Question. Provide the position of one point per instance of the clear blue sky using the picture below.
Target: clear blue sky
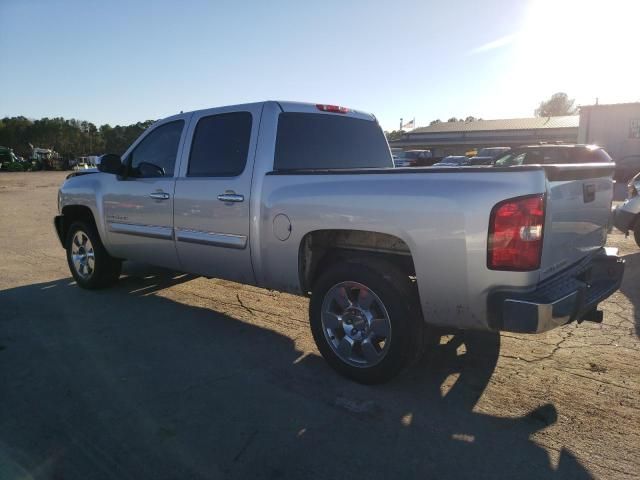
(119, 62)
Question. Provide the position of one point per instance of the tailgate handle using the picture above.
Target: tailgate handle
(588, 192)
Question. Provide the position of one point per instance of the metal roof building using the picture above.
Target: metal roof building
(614, 126)
(454, 138)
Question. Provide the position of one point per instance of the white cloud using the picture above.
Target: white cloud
(498, 43)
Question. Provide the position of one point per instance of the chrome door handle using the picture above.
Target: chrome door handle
(230, 197)
(159, 195)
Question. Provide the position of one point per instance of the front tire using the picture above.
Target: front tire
(90, 264)
(365, 320)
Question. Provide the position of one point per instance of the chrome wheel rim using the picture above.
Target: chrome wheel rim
(356, 324)
(82, 255)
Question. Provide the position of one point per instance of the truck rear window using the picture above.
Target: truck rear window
(320, 141)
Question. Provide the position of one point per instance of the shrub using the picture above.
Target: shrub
(14, 167)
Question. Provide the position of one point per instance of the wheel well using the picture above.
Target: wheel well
(321, 248)
(74, 213)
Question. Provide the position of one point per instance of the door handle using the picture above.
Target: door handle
(230, 197)
(159, 195)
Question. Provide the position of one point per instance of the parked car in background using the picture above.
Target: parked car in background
(453, 161)
(553, 154)
(627, 167)
(304, 198)
(626, 217)
(488, 155)
(493, 152)
(481, 161)
(413, 158)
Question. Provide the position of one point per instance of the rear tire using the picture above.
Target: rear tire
(377, 331)
(90, 264)
(636, 232)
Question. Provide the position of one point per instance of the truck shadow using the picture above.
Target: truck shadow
(124, 383)
(631, 285)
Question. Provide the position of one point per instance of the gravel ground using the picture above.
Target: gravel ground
(171, 376)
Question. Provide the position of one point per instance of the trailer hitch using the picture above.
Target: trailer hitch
(593, 315)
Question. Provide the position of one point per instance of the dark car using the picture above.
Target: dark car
(413, 158)
(550, 154)
(627, 167)
(478, 160)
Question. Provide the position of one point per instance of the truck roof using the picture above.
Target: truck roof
(289, 106)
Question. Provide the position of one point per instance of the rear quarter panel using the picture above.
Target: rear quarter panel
(442, 216)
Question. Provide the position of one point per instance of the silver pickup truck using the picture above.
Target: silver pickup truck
(304, 198)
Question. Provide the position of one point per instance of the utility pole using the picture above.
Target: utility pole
(400, 123)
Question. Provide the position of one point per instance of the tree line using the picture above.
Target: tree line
(71, 138)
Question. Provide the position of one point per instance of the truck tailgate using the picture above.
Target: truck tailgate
(578, 209)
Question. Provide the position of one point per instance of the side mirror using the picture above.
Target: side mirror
(110, 163)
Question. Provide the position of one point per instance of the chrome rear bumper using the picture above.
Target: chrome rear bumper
(571, 295)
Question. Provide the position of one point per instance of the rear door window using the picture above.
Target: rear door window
(321, 141)
(588, 155)
(555, 155)
(542, 156)
(220, 145)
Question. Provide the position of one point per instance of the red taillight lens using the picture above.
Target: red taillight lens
(515, 234)
(332, 108)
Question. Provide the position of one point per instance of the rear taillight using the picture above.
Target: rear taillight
(332, 108)
(515, 234)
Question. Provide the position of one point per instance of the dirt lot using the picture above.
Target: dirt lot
(170, 376)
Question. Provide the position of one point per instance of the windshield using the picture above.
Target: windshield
(510, 159)
(492, 152)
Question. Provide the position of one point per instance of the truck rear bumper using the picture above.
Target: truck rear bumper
(571, 295)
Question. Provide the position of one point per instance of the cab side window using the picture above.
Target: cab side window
(220, 145)
(155, 155)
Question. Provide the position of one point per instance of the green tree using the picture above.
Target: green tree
(435, 122)
(394, 135)
(452, 119)
(559, 104)
(71, 138)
